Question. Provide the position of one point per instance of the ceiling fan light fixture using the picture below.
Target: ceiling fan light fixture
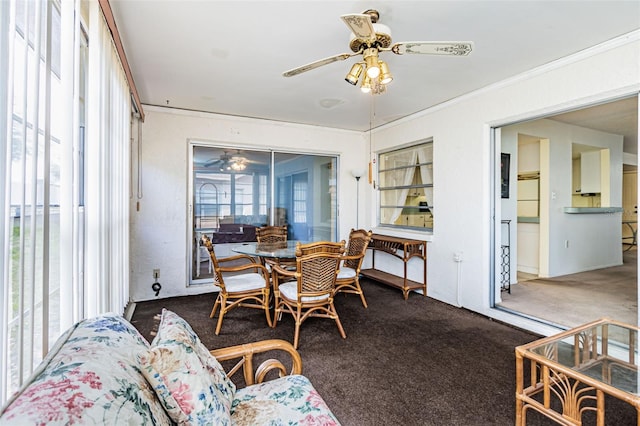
(366, 84)
(354, 74)
(385, 74)
(238, 165)
(371, 60)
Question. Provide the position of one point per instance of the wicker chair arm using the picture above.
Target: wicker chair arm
(352, 257)
(280, 270)
(237, 257)
(244, 267)
(246, 351)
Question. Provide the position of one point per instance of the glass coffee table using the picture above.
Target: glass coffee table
(571, 372)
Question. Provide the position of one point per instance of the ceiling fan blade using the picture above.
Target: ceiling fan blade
(210, 163)
(453, 48)
(317, 64)
(360, 25)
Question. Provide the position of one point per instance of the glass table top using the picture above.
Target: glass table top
(603, 350)
(280, 250)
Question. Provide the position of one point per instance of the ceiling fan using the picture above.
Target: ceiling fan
(228, 162)
(369, 39)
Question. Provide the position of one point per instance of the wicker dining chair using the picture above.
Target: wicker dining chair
(249, 290)
(271, 234)
(348, 280)
(310, 294)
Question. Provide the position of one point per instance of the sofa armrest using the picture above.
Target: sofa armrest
(246, 351)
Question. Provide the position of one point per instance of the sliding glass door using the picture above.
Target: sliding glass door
(234, 191)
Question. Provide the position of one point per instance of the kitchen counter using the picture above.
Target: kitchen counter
(592, 210)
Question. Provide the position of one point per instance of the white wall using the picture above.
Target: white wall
(463, 179)
(461, 131)
(159, 229)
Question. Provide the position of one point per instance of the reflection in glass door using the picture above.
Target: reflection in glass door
(235, 191)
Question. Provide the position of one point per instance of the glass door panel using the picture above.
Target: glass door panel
(305, 197)
(229, 201)
(232, 191)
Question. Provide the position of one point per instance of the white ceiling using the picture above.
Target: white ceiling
(228, 56)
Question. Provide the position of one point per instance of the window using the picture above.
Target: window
(300, 198)
(65, 109)
(34, 196)
(405, 179)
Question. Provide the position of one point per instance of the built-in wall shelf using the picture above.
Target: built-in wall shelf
(592, 210)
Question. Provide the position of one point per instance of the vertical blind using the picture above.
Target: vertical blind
(64, 177)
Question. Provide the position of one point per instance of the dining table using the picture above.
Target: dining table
(279, 250)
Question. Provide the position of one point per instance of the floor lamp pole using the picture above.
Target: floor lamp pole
(357, 174)
(357, 202)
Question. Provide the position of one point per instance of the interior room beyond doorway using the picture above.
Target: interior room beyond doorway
(572, 213)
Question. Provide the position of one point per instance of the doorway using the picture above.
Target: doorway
(586, 265)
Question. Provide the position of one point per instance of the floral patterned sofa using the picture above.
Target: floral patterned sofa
(102, 371)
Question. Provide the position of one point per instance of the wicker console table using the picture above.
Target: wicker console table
(403, 249)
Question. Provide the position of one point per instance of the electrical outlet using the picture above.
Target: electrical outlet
(156, 274)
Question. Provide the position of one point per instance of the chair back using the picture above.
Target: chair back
(320, 247)
(317, 273)
(317, 266)
(217, 275)
(271, 234)
(358, 243)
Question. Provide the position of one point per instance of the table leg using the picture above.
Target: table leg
(600, 408)
(519, 390)
(634, 236)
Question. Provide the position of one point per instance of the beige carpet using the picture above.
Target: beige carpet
(574, 299)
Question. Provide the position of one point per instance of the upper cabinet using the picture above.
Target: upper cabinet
(594, 166)
(591, 176)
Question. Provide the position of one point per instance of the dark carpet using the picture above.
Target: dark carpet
(404, 362)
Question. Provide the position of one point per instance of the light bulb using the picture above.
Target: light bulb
(371, 59)
(366, 84)
(373, 72)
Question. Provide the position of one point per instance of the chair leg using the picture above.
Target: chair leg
(265, 304)
(275, 313)
(215, 307)
(222, 300)
(296, 334)
(219, 325)
(337, 318)
(361, 293)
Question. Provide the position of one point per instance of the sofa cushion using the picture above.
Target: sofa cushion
(189, 381)
(91, 376)
(174, 328)
(183, 385)
(287, 400)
